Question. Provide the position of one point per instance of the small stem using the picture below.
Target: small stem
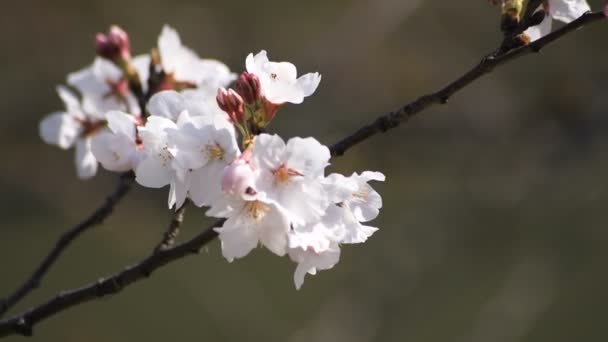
(173, 230)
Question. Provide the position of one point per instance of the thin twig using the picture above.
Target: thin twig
(97, 217)
(173, 230)
(487, 64)
(23, 324)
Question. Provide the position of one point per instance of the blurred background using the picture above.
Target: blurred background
(494, 223)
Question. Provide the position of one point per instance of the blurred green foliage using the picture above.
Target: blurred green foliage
(494, 225)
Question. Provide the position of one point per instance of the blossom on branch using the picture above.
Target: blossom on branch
(279, 80)
(562, 10)
(207, 144)
(183, 68)
(73, 127)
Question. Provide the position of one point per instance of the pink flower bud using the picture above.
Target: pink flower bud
(231, 103)
(238, 178)
(606, 10)
(249, 87)
(114, 45)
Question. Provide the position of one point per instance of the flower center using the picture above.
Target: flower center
(283, 174)
(361, 195)
(120, 89)
(256, 209)
(214, 152)
(90, 127)
(165, 156)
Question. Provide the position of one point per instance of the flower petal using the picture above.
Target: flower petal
(86, 164)
(59, 129)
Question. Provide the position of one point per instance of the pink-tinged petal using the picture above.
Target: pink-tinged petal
(151, 173)
(59, 129)
(178, 193)
(121, 123)
(141, 64)
(309, 83)
(72, 104)
(540, 30)
(355, 231)
(86, 164)
(273, 231)
(267, 151)
(237, 240)
(311, 262)
(567, 10)
(169, 46)
(168, 104)
(308, 156)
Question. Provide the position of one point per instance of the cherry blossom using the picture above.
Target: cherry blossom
(290, 174)
(317, 246)
(250, 220)
(105, 88)
(279, 80)
(118, 149)
(203, 146)
(183, 65)
(73, 127)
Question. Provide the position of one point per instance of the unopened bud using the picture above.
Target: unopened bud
(606, 10)
(231, 103)
(237, 178)
(114, 45)
(249, 87)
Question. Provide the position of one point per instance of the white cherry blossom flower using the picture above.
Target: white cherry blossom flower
(183, 65)
(249, 222)
(563, 10)
(73, 127)
(358, 202)
(279, 80)
(203, 147)
(156, 169)
(117, 149)
(170, 104)
(310, 261)
(290, 174)
(104, 87)
(316, 246)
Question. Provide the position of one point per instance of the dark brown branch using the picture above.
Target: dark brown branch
(487, 64)
(24, 323)
(173, 230)
(97, 217)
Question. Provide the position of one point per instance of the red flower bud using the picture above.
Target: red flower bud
(114, 45)
(249, 87)
(231, 103)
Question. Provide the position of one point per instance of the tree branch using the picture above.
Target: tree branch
(487, 64)
(23, 324)
(97, 217)
(173, 230)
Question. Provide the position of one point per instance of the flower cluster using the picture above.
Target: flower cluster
(208, 144)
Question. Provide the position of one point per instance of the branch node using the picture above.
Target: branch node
(146, 272)
(99, 292)
(23, 327)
